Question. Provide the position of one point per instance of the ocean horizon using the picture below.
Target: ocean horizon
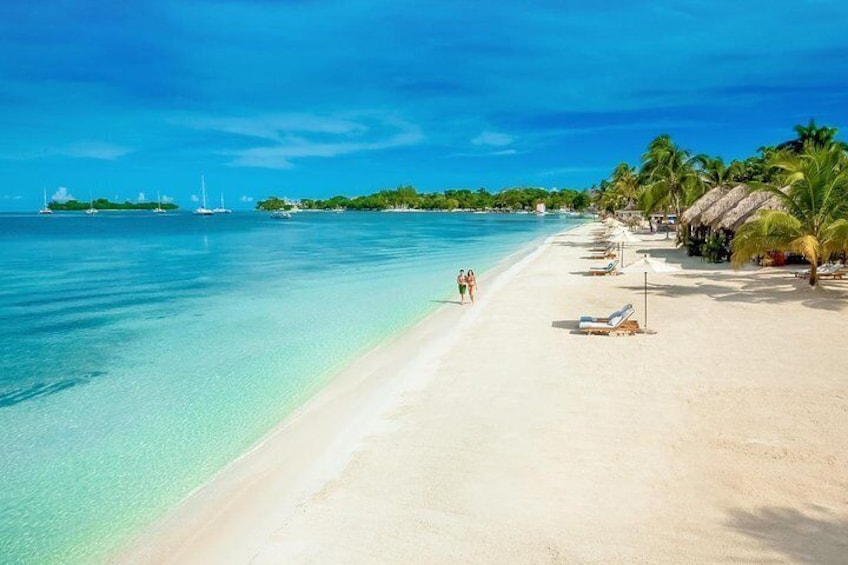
(142, 353)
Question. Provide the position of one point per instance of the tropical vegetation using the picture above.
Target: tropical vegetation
(104, 204)
(808, 175)
(812, 186)
(407, 197)
(669, 179)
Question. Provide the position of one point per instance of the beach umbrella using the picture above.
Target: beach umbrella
(645, 265)
(612, 225)
(623, 236)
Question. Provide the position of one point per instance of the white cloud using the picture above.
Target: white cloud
(166, 198)
(498, 153)
(195, 198)
(141, 197)
(62, 195)
(492, 138)
(81, 149)
(280, 156)
(246, 198)
(276, 126)
(94, 150)
(573, 170)
(296, 136)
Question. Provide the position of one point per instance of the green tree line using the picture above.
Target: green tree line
(510, 199)
(104, 204)
(808, 174)
(670, 178)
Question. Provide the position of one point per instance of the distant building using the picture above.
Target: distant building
(657, 218)
(630, 212)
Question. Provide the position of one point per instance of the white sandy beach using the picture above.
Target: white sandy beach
(493, 434)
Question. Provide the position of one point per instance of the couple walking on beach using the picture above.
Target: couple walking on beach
(466, 282)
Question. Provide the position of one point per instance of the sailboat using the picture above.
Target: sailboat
(222, 210)
(46, 209)
(91, 210)
(158, 209)
(203, 210)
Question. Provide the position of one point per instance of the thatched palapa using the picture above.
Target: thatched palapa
(692, 215)
(723, 204)
(746, 207)
(773, 203)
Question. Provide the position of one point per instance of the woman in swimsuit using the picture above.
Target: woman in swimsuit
(471, 282)
(461, 282)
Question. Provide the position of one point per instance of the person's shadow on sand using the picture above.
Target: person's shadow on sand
(447, 301)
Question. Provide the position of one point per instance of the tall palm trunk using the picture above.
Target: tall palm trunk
(814, 273)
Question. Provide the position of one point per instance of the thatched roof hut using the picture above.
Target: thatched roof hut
(774, 202)
(746, 207)
(692, 215)
(723, 205)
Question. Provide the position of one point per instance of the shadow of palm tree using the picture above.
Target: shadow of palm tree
(816, 536)
(751, 288)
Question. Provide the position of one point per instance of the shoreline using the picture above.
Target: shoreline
(379, 375)
(508, 438)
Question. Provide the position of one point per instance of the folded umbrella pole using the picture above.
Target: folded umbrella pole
(644, 265)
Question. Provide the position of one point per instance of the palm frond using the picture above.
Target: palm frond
(771, 230)
(808, 246)
(835, 237)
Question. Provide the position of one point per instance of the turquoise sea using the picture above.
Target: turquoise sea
(139, 354)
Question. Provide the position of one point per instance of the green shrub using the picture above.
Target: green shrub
(713, 248)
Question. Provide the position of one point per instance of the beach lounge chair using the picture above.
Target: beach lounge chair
(828, 270)
(618, 312)
(602, 253)
(610, 269)
(620, 324)
(837, 271)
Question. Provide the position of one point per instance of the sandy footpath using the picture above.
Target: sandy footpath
(494, 434)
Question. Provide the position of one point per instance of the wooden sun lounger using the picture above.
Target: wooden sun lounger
(619, 312)
(837, 273)
(617, 325)
(608, 270)
(600, 255)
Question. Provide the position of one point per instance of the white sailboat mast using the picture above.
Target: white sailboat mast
(203, 190)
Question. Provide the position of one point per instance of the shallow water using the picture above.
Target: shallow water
(141, 353)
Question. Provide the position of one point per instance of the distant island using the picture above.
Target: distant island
(407, 197)
(104, 204)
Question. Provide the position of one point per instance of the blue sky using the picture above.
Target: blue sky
(314, 98)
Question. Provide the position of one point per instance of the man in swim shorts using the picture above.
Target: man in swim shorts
(462, 284)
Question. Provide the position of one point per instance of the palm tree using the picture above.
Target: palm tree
(671, 181)
(811, 134)
(625, 182)
(713, 170)
(814, 221)
(606, 197)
